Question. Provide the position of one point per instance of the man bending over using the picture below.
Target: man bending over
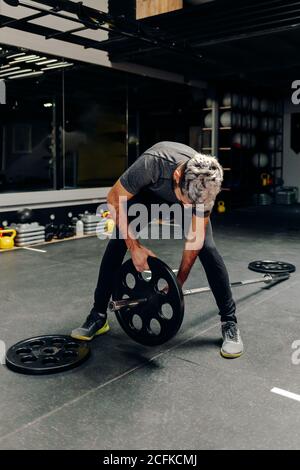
(171, 173)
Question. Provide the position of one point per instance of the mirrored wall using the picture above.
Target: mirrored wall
(68, 125)
(63, 125)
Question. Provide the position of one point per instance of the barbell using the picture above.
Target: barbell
(150, 309)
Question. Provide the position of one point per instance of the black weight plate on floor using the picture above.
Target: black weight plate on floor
(271, 267)
(49, 354)
(149, 324)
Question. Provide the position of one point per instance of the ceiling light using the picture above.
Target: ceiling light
(10, 69)
(26, 75)
(8, 72)
(61, 62)
(23, 59)
(35, 60)
(26, 57)
(4, 67)
(57, 66)
(48, 61)
(48, 105)
(15, 55)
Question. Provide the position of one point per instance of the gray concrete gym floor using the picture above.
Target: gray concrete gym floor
(182, 395)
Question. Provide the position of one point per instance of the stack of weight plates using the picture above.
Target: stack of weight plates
(262, 199)
(29, 234)
(287, 195)
(93, 224)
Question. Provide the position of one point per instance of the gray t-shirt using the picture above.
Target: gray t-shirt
(154, 170)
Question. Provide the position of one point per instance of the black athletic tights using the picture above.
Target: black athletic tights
(209, 256)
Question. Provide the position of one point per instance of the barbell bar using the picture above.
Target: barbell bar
(115, 305)
(151, 311)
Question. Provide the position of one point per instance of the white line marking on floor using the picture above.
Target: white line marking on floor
(285, 393)
(134, 369)
(34, 249)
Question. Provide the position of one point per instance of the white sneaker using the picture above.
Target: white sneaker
(232, 345)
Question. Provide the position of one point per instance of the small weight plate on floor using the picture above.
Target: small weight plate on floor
(271, 267)
(49, 354)
(159, 319)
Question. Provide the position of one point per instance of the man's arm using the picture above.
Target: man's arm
(117, 199)
(192, 247)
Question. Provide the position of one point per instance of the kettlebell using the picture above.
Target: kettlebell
(109, 226)
(7, 242)
(221, 207)
(265, 179)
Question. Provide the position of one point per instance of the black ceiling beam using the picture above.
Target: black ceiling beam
(119, 25)
(11, 22)
(47, 32)
(216, 34)
(228, 18)
(248, 34)
(67, 6)
(233, 49)
(56, 12)
(230, 15)
(60, 34)
(278, 16)
(262, 20)
(154, 41)
(95, 19)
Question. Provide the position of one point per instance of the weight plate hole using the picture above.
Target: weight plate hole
(50, 360)
(72, 346)
(155, 327)
(48, 351)
(23, 351)
(37, 344)
(146, 276)
(28, 359)
(70, 353)
(58, 342)
(130, 281)
(167, 311)
(137, 322)
(162, 286)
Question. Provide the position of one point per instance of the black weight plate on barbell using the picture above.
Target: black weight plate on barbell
(49, 354)
(157, 321)
(271, 267)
